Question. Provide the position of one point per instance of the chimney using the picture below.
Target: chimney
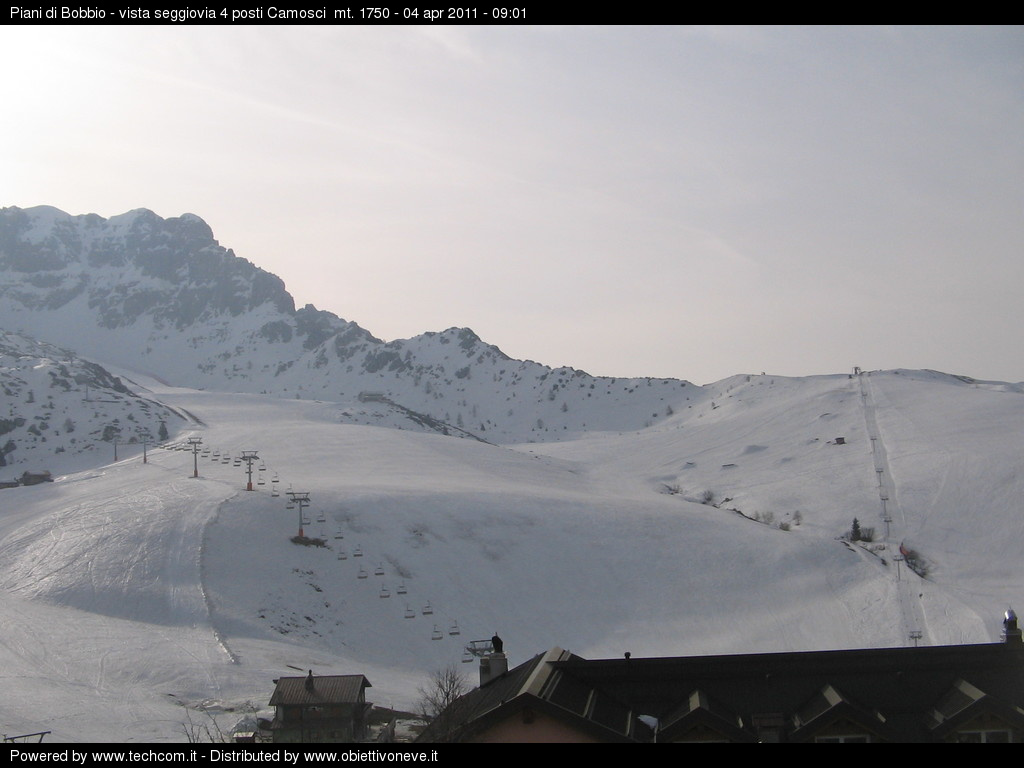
(492, 666)
(1011, 632)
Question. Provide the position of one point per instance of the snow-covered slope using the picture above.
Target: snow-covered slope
(602, 515)
(158, 590)
(59, 409)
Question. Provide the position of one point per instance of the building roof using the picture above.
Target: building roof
(539, 686)
(313, 690)
(892, 694)
(887, 691)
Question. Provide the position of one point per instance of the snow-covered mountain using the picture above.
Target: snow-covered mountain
(162, 296)
(603, 516)
(59, 408)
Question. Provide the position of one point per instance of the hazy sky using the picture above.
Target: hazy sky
(633, 201)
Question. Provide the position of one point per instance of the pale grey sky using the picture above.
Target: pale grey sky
(633, 201)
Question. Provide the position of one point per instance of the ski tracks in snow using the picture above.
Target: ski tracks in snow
(96, 570)
(893, 522)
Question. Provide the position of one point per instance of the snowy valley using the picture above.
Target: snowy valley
(455, 493)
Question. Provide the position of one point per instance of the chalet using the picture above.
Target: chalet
(323, 708)
(960, 693)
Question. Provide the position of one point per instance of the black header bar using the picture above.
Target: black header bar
(313, 12)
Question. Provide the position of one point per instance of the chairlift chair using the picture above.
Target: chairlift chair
(454, 629)
(401, 589)
(362, 574)
(357, 552)
(385, 592)
(437, 634)
(409, 612)
(427, 610)
(379, 570)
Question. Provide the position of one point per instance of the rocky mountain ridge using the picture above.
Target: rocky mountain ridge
(162, 296)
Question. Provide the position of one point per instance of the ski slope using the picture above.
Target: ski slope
(134, 594)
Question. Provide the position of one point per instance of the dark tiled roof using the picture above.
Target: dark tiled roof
(894, 694)
(474, 705)
(537, 685)
(897, 686)
(322, 689)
